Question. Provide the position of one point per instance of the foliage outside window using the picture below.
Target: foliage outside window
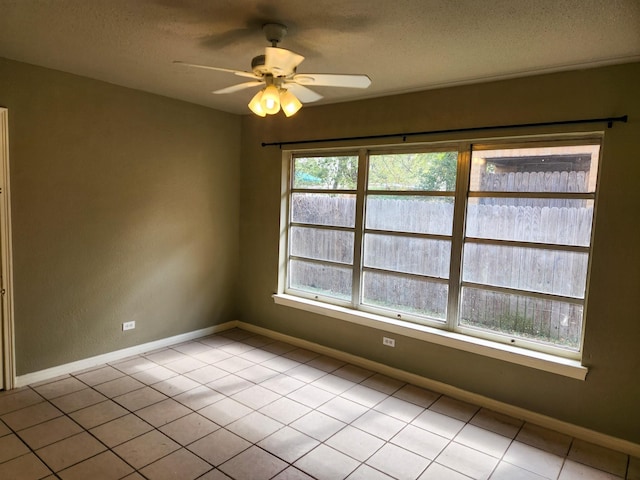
(491, 241)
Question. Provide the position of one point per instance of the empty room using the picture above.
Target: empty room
(319, 240)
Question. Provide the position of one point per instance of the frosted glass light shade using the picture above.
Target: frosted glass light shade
(270, 100)
(255, 106)
(289, 103)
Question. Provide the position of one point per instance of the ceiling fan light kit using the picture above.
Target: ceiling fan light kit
(283, 89)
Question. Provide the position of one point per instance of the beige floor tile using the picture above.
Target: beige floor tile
(206, 374)
(140, 398)
(285, 410)
(544, 439)
(419, 396)
(198, 397)
(105, 466)
(363, 395)
(577, 471)
(134, 365)
(256, 373)
(454, 408)
(398, 462)
(311, 396)
(230, 384)
(467, 461)
(353, 373)
(400, 409)
(4, 430)
(29, 416)
(379, 424)
(279, 348)
(383, 384)
(343, 409)
(436, 471)
(253, 463)
(334, 384)
(365, 472)
(438, 423)
(306, 374)
(134, 476)
(506, 471)
(146, 449)
(163, 412)
(154, 375)
(254, 427)
(121, 430)
(483, 440)
(189, 428)
(60, 387)
(318, 425)
(497, 423)
(99, 375)
(282, 384)
(299, 354)
(219, 446)
(288, 444)
(11, 401)
(184, 365)
(598, 457)
(214, 474)
(355, 443)
(175, 385)
(420, 441)
(98, 414)
(326, 364)
(70, 451)
(257, 355)
(11, 447)
(78, 400)
(534, 460)
(256, 397)
(280, 364)
(225, 411)
(325, 463)
(50, 432)
(233, 364)
(26, 467)
(181, 464)
(164, 356)
(119, 386)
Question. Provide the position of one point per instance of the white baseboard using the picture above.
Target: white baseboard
(570, 429)
(53, 372)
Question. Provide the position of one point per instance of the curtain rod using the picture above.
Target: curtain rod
(609, 120)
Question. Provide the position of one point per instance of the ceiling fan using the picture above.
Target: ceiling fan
(276, 72)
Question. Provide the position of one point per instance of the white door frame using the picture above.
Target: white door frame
(6, 260)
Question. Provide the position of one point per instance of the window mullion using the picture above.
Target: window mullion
(457, 235)
(359, 228)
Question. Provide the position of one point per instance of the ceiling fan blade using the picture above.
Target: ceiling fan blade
(240, 73)
(280, 61)
(332, 80)
(238, 87)
(304, 94)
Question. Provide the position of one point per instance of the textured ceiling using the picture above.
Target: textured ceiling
(403, 45)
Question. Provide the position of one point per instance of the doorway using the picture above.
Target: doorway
(7, 368)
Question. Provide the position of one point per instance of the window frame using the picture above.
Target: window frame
(451, 332)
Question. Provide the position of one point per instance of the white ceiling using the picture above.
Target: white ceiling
(403, 45)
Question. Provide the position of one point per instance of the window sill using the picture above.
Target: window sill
(541, 361)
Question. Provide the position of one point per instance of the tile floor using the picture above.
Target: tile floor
(241, 406)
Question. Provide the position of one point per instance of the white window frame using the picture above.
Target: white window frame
(519, 351)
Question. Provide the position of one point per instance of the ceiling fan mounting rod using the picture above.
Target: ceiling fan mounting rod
(274, 32)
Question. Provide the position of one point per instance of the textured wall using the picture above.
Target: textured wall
(607, 401)
(124, 206)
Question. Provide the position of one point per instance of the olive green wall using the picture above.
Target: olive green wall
(608, 400)
(124, 207)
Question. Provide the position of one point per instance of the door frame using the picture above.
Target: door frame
(6, 260)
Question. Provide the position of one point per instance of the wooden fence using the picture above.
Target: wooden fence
(555, 222)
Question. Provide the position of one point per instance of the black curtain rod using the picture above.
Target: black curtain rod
(609, 120)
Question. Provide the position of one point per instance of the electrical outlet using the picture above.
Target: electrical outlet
(128, 326)
(389, 342)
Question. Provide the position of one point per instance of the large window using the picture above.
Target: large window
(491, 241)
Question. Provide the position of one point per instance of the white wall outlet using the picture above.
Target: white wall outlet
(128, 326)
(389, 342)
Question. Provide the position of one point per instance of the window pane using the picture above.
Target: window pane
(541, 169)
(431, 215)
(535, 319)
(323, 209)
(405, 294)
(433, 171)
(321, 279)
(556, 221)
(407, 254)
(335, 173)
(322, 244)
(536, 270)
